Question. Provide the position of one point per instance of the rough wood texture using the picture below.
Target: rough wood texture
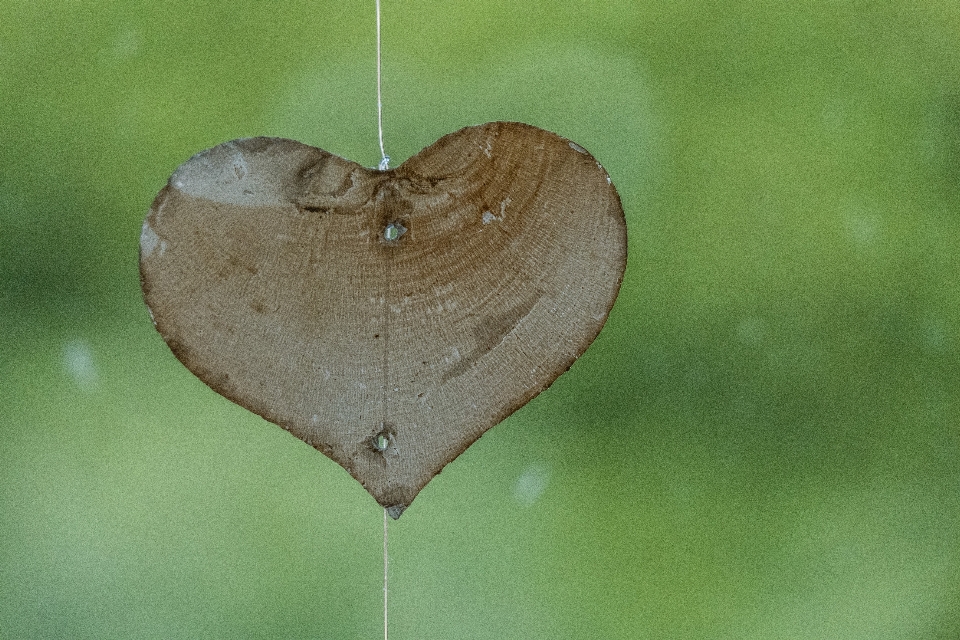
(387, 318)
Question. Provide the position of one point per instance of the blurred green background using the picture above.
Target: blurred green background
(763, 442)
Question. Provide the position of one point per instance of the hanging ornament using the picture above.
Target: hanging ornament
(388, 318)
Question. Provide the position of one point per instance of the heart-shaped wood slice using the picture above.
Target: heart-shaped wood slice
(387, 318)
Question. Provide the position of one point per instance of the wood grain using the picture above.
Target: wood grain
(270, 273)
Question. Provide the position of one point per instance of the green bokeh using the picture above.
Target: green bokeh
(763, 443)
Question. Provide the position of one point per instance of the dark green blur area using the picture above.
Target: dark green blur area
(764, 442)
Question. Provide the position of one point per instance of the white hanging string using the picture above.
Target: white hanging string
(384, 165)
(385, 564)
(384, 158)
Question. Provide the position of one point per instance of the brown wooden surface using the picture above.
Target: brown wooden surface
(267, 270)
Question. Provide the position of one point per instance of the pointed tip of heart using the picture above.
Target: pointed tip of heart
(395, 511)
